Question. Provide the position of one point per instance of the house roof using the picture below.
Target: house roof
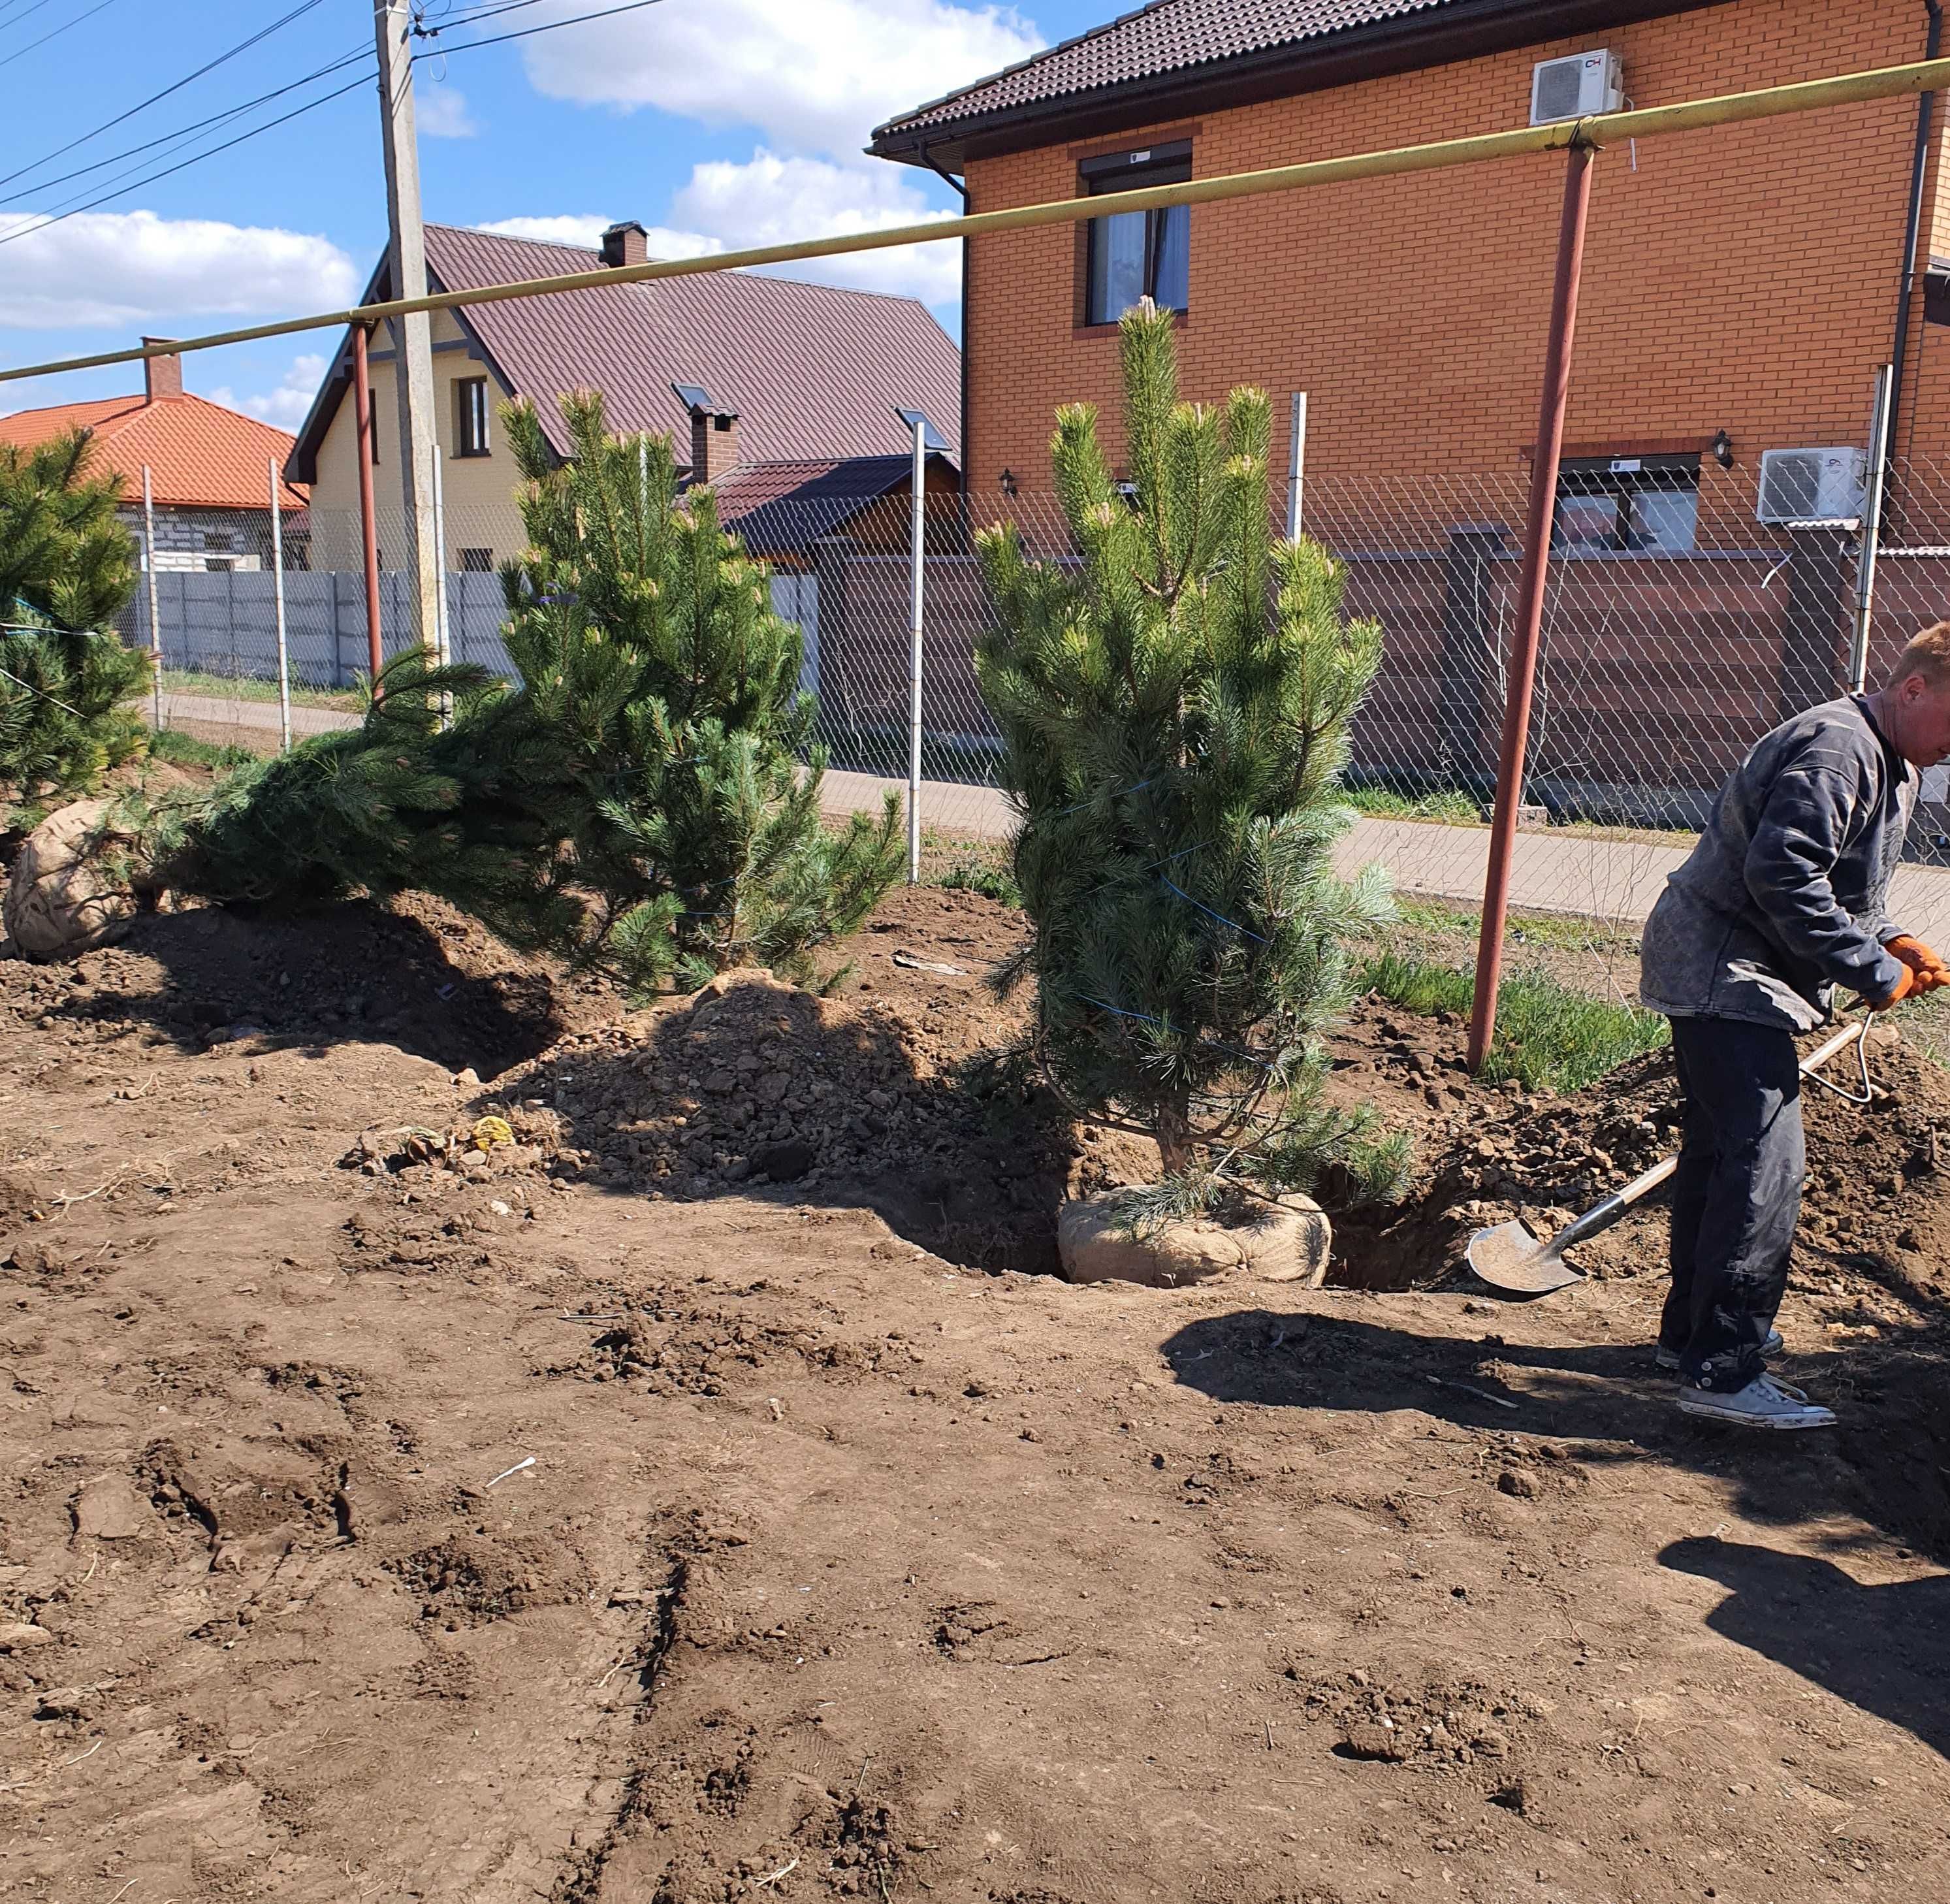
(199, 455)
(777, 508)
(812, 370)
(1167, 50)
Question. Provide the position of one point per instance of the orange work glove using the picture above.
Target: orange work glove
(1925, 963)
(1906, 986)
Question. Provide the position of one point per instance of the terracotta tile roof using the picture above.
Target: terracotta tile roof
(777, 508)
(1168, 37)
(200, 454)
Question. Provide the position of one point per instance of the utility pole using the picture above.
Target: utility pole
(392, 21)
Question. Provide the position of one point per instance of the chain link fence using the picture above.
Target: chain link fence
(1678, 628)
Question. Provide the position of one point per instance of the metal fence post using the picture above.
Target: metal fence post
(1530, 611)
(917, 559)
(1872, 530)
(278, 605)
(1296, 468)
(155, 620)
(443, 640)
(368, 531)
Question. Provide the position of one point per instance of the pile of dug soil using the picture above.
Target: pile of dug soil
(1876, 1204)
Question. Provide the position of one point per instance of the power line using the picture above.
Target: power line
(58, 31)
(38, 5)
(548, 26)
(196, 158)
(242, 46)
(182, 133)
(469, 18)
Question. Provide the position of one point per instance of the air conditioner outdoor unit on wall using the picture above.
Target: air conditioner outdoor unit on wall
(1574, 86)
(1812, 485)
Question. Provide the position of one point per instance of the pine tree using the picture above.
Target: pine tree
(1175, 708)
(66, 569)
(646, 637)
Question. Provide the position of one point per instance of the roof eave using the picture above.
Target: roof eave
(1404, 43)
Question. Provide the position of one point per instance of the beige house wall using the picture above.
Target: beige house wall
(478, 492)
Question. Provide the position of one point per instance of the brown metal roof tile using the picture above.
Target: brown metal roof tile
(1167, 36)
(813, 370)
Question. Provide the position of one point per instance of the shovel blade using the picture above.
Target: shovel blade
(1509, 1258)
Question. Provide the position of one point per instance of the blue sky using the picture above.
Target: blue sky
(715, 123)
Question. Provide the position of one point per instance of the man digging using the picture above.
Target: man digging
(1783, 900)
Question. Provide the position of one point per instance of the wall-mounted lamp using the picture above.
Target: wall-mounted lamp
(1722, 450)
(1007, 480)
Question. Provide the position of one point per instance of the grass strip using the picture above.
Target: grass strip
(1547, 1035)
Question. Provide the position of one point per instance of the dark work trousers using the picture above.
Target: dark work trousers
(1736, 1196)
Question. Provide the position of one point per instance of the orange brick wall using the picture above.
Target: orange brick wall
(1743, 277)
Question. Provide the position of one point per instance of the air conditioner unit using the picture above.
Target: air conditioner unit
(1812, 485)
(1573, 88)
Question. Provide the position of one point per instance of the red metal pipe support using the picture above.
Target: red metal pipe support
(369, 530)
(1530, 608)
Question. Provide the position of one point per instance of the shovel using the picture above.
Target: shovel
(1509, 1259)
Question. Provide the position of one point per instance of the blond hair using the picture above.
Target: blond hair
(1927, 654)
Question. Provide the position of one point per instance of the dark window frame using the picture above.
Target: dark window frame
(1623, 477)
(477, 562)
(1165, 162)
(470, 417)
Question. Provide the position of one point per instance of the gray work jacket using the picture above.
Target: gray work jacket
(1786, 896)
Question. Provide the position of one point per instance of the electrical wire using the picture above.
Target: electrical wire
(24, 51)
(548, 26)
(182, 133)
(242, 46)
(196, 158)
(38, 5)
(469, 18)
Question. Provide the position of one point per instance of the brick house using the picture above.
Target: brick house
(738, 370)
(1741, 287)
(209, 470)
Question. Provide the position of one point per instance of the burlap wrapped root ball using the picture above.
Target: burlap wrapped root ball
(70, 889)
(1286, 1241)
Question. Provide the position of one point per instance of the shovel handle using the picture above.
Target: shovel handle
(1599, 1215)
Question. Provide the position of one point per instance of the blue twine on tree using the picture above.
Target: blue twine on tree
(1118, 794)
(1220, 916)
(1145, 1017)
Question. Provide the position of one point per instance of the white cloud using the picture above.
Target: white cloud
(286, 407)
(585, 228)
(120, 269)
(440, 112)
(770, 199)
(814, 75)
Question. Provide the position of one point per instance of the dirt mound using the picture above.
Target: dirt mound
(894, 1093)
(413, 973)
(1877, 1203)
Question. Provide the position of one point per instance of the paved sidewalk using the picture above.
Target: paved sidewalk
(1616, 880)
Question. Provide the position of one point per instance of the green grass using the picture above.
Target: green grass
(1546, 1034)
(186, 750)
(1551, 931)
(1448, 805)
(984, 876)
(249, 687)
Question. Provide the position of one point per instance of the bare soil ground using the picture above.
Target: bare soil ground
(704, 1496)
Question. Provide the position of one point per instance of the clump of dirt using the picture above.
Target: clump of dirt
(471, 1579)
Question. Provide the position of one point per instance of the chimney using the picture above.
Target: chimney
(625, 243)
(164, 375)
(714, 443)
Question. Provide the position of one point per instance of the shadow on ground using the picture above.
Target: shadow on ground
(1884, 1465)
(1885, 1649)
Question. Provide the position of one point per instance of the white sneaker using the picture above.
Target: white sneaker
(1764, 1403)
(1669, 1358)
